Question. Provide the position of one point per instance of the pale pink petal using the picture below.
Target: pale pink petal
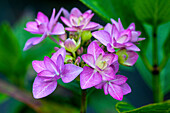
(61, 51)
(38, 66)
(105, 88)
(42, 18)
(133, 48)
(134, 37)
(109, 58)
(50, 65)
(66, 13)
(89, 78)
(108, 28)
(94, 50)
(125, 88)
(124, 36)
(60, 63)
(91, 26)
(46, 73)
(70, 72)
(76, 12)
(119, 80)
(58, 29)
(115, 91)
(41, 88)
(107, 74)
(132, 58)
(32, 27)
(66, 21)
(89, 59)
(102, 36)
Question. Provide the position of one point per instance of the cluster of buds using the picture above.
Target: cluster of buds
(96, 61)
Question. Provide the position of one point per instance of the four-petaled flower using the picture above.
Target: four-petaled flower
(76, 21)
(50, 70)
(44, 26)
(100, 66)
(116, 87)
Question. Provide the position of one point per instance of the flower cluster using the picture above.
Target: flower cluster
(96, 61)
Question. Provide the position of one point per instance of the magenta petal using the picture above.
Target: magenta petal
(105, 88)
(76, 12)
(109, 58)
(38, 66)
(124, 36)
(70, 72)
(108, 28)
(60, 63)
(51, 23)
(107, 74)
(133, 48)
(71, 29)
(115, 91)
(94, 50)
(46, 73)
(119, 80)
(89, 59)
(91, 26)
(50, 65)
(102, 36)
(66, 13)
(30, 42)
(32, 28)
(132, 58)
(132, 26)
(42, 88)
(58, 29)
(42, 18)
(66, 21)
(89, 78)
(61, 51)
(115, 66)
(140, 39)
(125, 88)
(40, 39)
(100, 86)
(58, 15)
(134, 37)
(110, 48)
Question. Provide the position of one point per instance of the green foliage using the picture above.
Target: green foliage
(163, 107)
(3, 98)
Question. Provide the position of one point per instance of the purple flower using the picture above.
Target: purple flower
(76, 21)
(42, 25)
(115, 36)
(50, 70)
(100, 66)
(116, 87)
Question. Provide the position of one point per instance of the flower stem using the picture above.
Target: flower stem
(83, 101)
(156, 83)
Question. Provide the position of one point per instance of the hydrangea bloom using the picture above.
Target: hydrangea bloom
(44, 26)
(76, 21)
(100, 66)
(50, 70)
(116, 87)
(115, 36)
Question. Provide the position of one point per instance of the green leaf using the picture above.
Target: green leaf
(9, 50)
(123, 106)
(163, 107)
(3, 98)
(152, 11)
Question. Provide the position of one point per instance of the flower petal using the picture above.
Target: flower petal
(51, 22)
(125, 88)
(115, 67)
(102, 36)
(66, 13)
(132, 26)
(50, 65)
(76, 12)
(132, 58)
(70, 72)
(89, 59)
(100, 86)
(91, 26)
(46, 73)
(70, 45)
(124, 36)
(89, 78)
(133, 48)
(60, 63)
(109, 58)
(32, 28)
(115, 91)
(107, 74)
(105, 88)
(42, 17)
(94, 50)
(110, 48)
(71, 29)
(38, 66)
(66, 21)
(61, 51)
(119, 80)
(42, 88)
(58, 29)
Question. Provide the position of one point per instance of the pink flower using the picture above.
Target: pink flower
(100, 66)
(42, 25)
(115, 36)
(76, 21)
(116, 87)
(50, 70)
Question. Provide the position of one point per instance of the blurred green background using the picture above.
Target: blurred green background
(17, 74)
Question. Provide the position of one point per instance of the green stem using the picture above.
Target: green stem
(83, 101)
(156, 83)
